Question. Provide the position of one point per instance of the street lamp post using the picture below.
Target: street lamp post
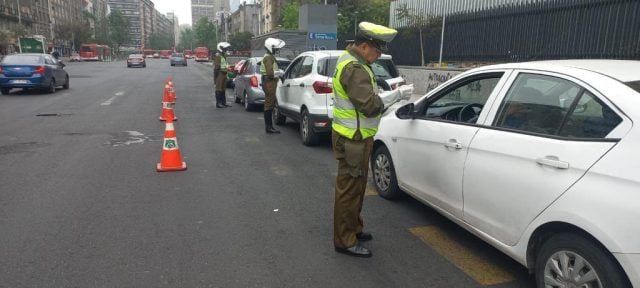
(355, 25)
(19, 16)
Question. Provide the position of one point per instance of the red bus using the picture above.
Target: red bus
(165, 54)
(95, 52)
(202, 54)
(148, 53)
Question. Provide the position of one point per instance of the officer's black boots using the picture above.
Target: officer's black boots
(268, 123)
(219, 100)
(223, 97)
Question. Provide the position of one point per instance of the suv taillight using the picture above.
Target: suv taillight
(322, 87)
(253, 81)
(39, 70)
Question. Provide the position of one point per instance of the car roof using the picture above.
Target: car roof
(337, 53)
(621, 70)
(28, 54)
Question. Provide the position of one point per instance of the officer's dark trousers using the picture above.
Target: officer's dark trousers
(349, 189)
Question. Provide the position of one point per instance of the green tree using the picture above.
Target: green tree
(205, 33)
(241, 41)
(118, 29)
(160, 42)
(74, 32)
(418, 24)
(290, 15)
(101, 35)
(187, 40)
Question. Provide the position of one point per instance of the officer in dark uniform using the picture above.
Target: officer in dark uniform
(270, 72)
(220, 74)
(356, 114)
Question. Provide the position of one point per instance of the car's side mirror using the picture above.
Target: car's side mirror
(406, 111)
(61, 64)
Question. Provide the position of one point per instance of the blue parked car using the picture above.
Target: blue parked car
(32, 70)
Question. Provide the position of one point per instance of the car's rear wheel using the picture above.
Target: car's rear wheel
(309, 137)
(66, 83)
(278, 118)
(574, 260)
(245, 100)
(5, 91)
(52, 86)
(384, 174)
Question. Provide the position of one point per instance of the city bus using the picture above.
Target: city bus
(202, 54)
(95, 52)
(188, 54)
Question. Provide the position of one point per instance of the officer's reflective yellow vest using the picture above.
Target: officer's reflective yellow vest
(346, 118)
(263, 71)
(223, 64)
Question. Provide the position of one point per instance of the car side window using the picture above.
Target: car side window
(306, 67)
(589, 118)
(464, 100)
(292, 70)
(49, 61)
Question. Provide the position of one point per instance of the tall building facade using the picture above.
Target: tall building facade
(246, 19)
(270, 16)
(208, 8)
(142, 19)
(176, 26)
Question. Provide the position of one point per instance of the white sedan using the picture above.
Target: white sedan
(539, 159)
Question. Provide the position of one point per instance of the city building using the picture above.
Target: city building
(208, 8)
(97, 8)
(141, 16)
(164, 26)
(176, 26)
(245, 19)
(270, 14)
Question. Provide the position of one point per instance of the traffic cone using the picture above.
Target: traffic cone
(169, 94)
(170, 160)
(167, 112)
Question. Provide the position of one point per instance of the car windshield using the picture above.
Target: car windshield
(635, 85)
(22, 59)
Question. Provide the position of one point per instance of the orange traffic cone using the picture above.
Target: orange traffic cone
(167, 112)
(169, 94)
(170, 160)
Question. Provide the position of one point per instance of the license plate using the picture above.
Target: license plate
(135, 62)
(19, 81)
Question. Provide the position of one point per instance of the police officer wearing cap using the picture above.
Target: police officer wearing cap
(270, 72)
(220, 74)
(356, 114)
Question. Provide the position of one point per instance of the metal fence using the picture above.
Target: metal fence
(533, 30)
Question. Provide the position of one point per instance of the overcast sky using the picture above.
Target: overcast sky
(182, 8)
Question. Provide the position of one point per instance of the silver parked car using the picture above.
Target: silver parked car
(178, 59)
(248, 82)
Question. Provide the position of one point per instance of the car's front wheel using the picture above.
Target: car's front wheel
(574, 260)
(309, 137)
(66, 83)
(384, 174)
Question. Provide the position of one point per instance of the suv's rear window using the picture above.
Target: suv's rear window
(22, 59)
(383, 68)
(635, 85)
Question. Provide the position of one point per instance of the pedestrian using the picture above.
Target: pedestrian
(356, 114)
(220, 74)
(270, 73)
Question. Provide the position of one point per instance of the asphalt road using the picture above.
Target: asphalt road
(81, 203)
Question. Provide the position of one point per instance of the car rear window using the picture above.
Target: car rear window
(385, 68)
(327, 66)
(22, 59)
(635, 85)
(177, 55)
(135, 56)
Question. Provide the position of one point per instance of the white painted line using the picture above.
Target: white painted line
(119, 93)
(108, 102)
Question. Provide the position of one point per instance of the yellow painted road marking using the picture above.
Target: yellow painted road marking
(370, 191)
(477, 267)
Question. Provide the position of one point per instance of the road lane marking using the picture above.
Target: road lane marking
(370, 191)
(479, 268)
(108, 102)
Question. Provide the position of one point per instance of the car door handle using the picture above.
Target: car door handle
(453, 143)
(301, 84)
(553, 161)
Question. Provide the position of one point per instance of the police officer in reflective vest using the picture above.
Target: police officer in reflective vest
(356, 113)
(270, 72)
(220, 74)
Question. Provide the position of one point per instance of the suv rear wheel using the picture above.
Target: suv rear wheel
(245, 100)
(309, 137)
(573, 260)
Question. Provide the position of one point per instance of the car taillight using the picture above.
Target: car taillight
(39, 70)
(1, 71)
(253, 81)
(322, 87)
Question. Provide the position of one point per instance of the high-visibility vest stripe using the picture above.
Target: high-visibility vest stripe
(223, 64)
(346, 119)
